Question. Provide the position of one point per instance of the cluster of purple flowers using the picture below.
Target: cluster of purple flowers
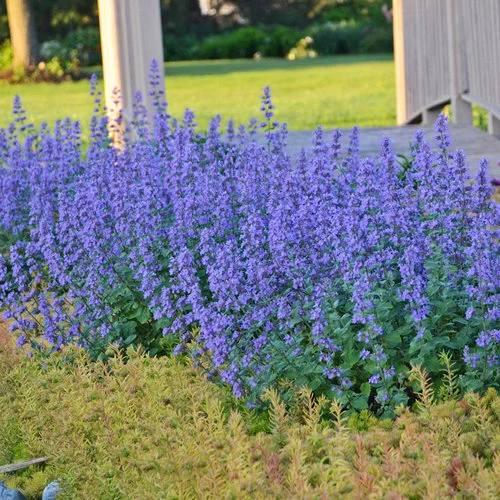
(329, 269)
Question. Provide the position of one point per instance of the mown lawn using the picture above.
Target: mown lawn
(337, 91)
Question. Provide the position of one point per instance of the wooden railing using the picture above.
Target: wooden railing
(447, 51)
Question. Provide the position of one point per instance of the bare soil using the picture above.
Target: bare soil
(5, 338)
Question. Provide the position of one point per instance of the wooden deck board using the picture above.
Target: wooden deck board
(4, 469)
(473, 141)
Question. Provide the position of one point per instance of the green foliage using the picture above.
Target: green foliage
(355, 10)
(87, 42)
(350, 37)
(185, 30)
(280, 40)
(6, 55)
(377, 40)
(340, 38)
(302, 50)
(62, 58)
(120, 429)
(449, 388)
(480, 117)
(178, 47)
(183, 17)
(345, 37)
(239, 44)
(54, 19)
(362, 421)
(55, 67)
(4, 23)
(58, 63)
(54, 70)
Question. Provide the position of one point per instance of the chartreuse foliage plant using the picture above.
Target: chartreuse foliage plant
(330, 270)
(154, 428)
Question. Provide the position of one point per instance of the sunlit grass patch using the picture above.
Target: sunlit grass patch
(337, 91)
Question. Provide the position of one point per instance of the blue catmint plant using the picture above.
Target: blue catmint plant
(328, 269)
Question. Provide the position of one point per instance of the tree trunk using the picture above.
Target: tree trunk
(22, 33)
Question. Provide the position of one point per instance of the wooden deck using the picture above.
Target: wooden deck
(473, 141)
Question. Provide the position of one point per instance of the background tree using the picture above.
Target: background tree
(196, 29)
(181, 17)
(23, 33)
(54, 19)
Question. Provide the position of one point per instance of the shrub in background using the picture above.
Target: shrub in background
(75, 25)
(377, 40)
(338, 38)
(346, 37)
(238, 44)
(358, 11)
(4, 25)
(333, 271)
(59, 58)
(280, 40)
(351, 38)
(58, 63)
(87, 42)
(6, 56)
(302, 50)
(178, 47)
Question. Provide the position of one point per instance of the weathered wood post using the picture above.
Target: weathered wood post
(493, 124)
(460, 108)
(399, 60)
(131, 38)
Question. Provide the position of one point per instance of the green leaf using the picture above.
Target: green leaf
(432, 365)
(414, 347)
(400, 398)
(360, 402)
(387, 415)
(315, 383)
(143, 315)
(130, 339)
(473, 385)
(393, 339)
(350, 359)
(345, 319)
(341, 398)
(366, 389)
(371, 367)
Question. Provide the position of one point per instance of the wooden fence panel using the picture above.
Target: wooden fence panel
(425, 54)
(447, 51)
(480, 23)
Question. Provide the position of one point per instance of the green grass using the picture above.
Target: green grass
(337, 91)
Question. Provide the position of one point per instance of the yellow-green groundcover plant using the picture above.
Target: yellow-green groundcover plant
(154, 428)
